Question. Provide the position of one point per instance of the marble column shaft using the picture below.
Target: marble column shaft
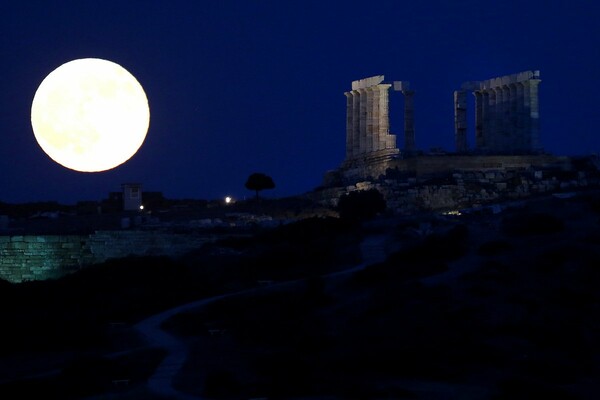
(363, 120)
(532, 87)
(478, 119)
(502, 100)
(386, 141)
(512, 112)
(369, 125)
(355, 123)
(376, 93)
(521, 125)
(409, 121)
(460, 120)
(367, 120)
(487, 118)
(349, 125)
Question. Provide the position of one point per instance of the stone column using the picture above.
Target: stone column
(376, 92)
(526, 134)
(521, 125)
(534, 115)
(512, 112)
(355, 123)
(486, 130)
(387, 141)
(363, 121)
(460, 120)
(492, 131)
(369, 138)
(500, 137)
(409, 121)
(349, 125)
(478, 119)
(508, 137)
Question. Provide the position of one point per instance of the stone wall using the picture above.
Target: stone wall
(465, 188)
(39, 257)
(427, 165)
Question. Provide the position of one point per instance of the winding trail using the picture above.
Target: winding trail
(372, 249)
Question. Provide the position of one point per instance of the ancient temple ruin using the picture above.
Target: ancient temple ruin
(506, 162)
(507, 132)
(506, 114)
(367, 120)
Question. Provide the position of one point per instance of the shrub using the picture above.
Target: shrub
(518, 388)
(221, 384)
(361, 205)
(493, 248)
(532, 224)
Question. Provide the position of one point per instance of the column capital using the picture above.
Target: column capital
(532, 82)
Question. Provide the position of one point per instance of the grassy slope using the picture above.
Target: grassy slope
(64, 326)
(502, 306)
(489, 307)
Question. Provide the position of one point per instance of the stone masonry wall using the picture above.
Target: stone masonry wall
(371, 170)
(465, 189)
(39, 257)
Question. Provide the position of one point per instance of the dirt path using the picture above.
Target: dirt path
(161, 382)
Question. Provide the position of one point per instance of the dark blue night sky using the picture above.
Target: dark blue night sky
(242, 86)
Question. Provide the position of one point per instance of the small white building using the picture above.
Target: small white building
(132, 196)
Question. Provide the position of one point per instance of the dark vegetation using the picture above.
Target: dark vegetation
(308, 247)
(258, 182)
(361, 205)
(28, 209)
(77, 314)
(75, 311)
(527, 223)
(494, 247)
(88, 375)
(505, 306)
(430, 257)
(520, 322)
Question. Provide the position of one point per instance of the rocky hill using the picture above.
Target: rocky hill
(497, 303)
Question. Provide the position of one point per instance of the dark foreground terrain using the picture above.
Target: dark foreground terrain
(477, 306)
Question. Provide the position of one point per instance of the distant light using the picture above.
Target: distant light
(452, 212)
(141, 207)
(228, 200)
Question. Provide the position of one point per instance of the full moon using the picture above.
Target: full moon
(90, 115)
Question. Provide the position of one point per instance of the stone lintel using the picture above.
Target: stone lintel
(471, 86)
(501, 81)
(367, 82)
(510, 79)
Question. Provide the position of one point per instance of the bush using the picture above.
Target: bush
(532, 224)
(88, 375)
(361, 205)
(441, 247)
(493, 248)
(221, 384)
(517, 388)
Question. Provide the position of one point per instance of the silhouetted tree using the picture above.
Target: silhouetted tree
(361, 204)
(259, 181)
